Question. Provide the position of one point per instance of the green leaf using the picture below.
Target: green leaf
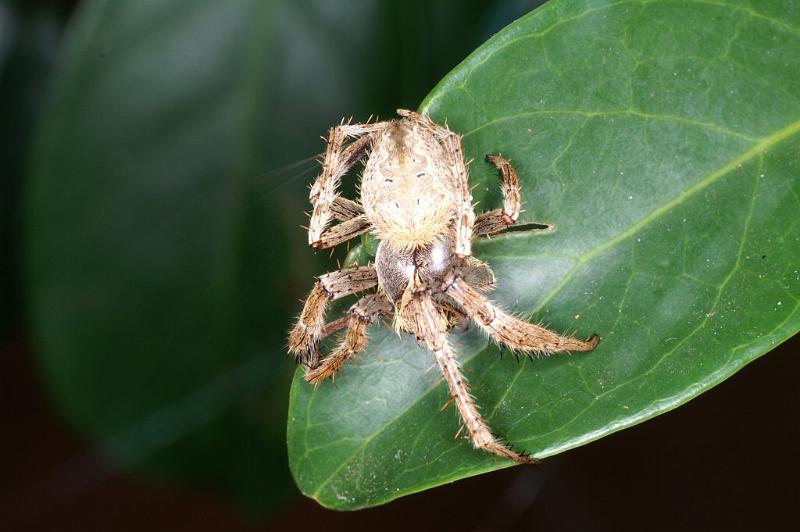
(662, 140)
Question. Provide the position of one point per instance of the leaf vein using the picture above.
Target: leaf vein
(618, 112)
(701, 326)
(766, 143)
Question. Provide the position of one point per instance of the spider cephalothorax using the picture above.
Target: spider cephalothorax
(416, 200)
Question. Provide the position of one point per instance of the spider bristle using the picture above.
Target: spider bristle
(511, 448)
(446, 404)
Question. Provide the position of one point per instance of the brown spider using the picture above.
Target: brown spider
(415, 199)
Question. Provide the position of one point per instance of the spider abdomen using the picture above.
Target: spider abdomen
(408, 189)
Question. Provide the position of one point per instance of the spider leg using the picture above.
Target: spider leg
(478, 275)
(497, 220)
(343, 232)
(456, 319)
(353, 223)
(431, 328)
(506, 329)
(465, 214)
(338, 160)
(310, 327)
(344, 209)
(361, 314)
(334, 326)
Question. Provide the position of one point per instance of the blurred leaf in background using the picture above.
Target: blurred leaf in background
(29, 34)
(163, 255)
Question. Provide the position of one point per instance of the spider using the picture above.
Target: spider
(416, 201)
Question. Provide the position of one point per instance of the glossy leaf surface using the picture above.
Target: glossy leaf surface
(662, 140)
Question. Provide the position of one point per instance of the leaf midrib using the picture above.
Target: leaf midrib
(759, 148)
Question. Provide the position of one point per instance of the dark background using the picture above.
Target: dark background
(725, 461)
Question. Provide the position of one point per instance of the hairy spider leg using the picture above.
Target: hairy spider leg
(364, 312)
(507, 330)
(344, 209)
(492, 222)
(338, 160)
(343, 232)
(353, 223)
(431, 327)
(310, 327)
